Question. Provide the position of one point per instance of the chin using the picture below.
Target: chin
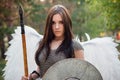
(58, 35)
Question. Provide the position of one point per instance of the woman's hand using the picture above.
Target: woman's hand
(34, 75)
(27, 78)
(24, 78)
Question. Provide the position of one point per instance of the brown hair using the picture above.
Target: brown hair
(66, 45)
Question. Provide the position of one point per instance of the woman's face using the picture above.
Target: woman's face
(58, 26)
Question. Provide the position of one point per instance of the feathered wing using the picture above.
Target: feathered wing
(102, 53)
(14, 68)
(87, 36)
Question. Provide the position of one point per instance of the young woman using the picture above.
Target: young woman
(57, 43)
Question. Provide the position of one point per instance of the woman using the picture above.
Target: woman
(57, 43)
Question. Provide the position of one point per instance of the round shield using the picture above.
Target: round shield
(72, 69)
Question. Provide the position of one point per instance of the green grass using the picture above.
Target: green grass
(2, 65)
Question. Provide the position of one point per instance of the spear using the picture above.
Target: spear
(23, 41)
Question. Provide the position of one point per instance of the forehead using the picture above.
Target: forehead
(57, 17)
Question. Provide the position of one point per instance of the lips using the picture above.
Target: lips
(57, 31)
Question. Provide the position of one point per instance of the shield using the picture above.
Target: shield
(72, 69)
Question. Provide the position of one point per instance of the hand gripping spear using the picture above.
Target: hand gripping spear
(23, 41)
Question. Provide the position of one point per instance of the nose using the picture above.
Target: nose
(57, 26)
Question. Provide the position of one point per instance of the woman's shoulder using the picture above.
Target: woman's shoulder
(77, 45)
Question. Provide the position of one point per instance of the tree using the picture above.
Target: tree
(8, 16)
(112, 12)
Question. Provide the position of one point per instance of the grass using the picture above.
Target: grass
(2, 65)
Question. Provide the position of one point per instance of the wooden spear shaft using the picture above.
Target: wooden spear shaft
(23, 41)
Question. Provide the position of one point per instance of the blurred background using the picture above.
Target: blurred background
(98, 18)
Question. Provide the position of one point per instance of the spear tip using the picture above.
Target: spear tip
(20, 9)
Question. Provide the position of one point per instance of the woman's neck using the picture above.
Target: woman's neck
(58, 39)
(56, 43)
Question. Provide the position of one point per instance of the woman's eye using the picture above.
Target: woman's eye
(53, 22)
(61, 22)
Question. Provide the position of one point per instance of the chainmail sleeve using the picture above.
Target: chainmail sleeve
(77, 45)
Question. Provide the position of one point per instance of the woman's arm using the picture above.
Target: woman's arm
(79, 54)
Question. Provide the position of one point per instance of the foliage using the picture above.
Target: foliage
(88, 17)
(2, 64)
(112, 13)
(4, 31)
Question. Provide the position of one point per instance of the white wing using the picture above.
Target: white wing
(102, 53)
(87, 35)
(14, 68)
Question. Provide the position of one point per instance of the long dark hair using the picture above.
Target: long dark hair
(66, 45)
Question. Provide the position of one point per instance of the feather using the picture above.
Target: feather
(14, 68)
(103, 54)
(87, 36)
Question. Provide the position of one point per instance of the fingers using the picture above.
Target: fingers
(24, 78)
(27, 78)
(30, 77)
